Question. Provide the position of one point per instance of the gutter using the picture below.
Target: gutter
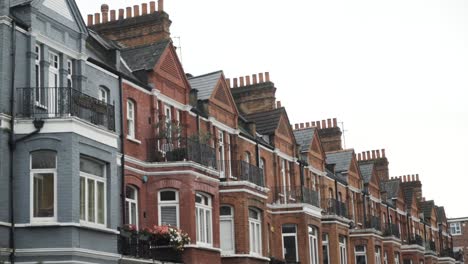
(122, 147)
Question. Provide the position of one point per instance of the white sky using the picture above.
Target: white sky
(395, 72)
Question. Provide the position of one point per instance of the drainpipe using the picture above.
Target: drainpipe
(364, 209)
(122, 148)
(388, 217)
(12, 141)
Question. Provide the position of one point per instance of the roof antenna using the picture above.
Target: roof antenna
(178, 48)
(344, 137)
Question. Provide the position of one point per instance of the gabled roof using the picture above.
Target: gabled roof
(366, 170)
(441, 217)
(205, 84)
(304, 138)
(266, 122)
(342, 159)
(426, 208)
(408, 194)
(144, 57)
(391, 187)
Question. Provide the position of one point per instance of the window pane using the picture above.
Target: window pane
(202, 225)
(133, 214)
(289, 243)
(44, 195)
(91, 167)
(208, 226)
(91, 215)
(130, 193)
(101, 201)
(43, 159)
(225, 210)
(226, 235)
(253, 214)
(289, 229)
(169, 215)
(167, 196)
(360, 260)
(82, 198)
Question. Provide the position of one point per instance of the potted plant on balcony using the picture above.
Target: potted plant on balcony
(169, 243)
(128, 230)
(145, 234)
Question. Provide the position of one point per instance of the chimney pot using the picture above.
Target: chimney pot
(318, 124)
(267, 76)
(152, 7)
(136, 10)
(104, 8)
(329, 121)
(121, 13)
(90, 20)
(247, 80)
(97, 18)
(129, 12)
(324, 124)
(242, 84)
(278, 104)
(112, 15)
(254, 78)
(378, 154)
(413, 177)
(105, 15)
(160, 5)
(405, 178)
(302, 125)
(313, 124)
(417, 177)
(368, 155)
(307, 124)
(144, 9)
(260, 76)
(228, 82)
(235, 82)
(296, 126)
(335, 122)
(383, 153)
(359, 156)
(373, 154)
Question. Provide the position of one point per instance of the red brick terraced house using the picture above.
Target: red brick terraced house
(219, 159)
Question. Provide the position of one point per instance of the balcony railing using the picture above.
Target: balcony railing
(392, 230)
(373, 222)
(430, 246)
(447, 252)
(181, 149)
(59, 102)
(146, 248)
(417, 240)
(245, 171)
(334, 207)
(299, 194)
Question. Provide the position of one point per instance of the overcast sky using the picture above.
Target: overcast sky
(395, 72)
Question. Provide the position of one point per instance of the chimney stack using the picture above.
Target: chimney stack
(296, 126)
(144, 9)
(152, 7)
(97, 18)
(267, 76)
(335, 122)
(160, 6)
(129, 12)
(278, 104)
(121, 13)
(228, 82)
(105, 13)
(112, 15)
(359, 157)
(241, 79)
(254, 78)
(247, 80)
(90, 20)
(235, 82)
(260, 76)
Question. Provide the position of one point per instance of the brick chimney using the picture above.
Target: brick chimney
(256, 94)
(330, 134)
(137, 26)
(378, 157)
(413, 182)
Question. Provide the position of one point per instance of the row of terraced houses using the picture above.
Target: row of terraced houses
(101, 127)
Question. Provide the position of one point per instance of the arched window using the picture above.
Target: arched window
(168, 208)
(131, 205)
(247, 157)
(130, 119)
(203, 219)
(103, 94)
(226, 221)
(255, 232)
(43, 185)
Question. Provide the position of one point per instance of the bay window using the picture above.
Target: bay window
(343, 253)
(168, 208)
(43, 186)
(325, 249)
(360, 253)
(255, 232)
(289, 233)
(313, 245)
(226, 222)
(92, 191)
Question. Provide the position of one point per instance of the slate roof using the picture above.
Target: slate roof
(391, 187)
(408, 194)
(337, 176)
(426, 208)
(304, 138)
(205, 84)
(266, 122)
(341, 159)
(144, 57)
(366, 171)
(440, 210)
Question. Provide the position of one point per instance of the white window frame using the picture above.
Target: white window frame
(359, 253)
(313, 245)
(131, 119)
(397, 258)
(283, 178)
(283, 235)
(343, 252)
(385, 257)
(70, 73)
(31, 186)
(255, 233)
(455, 229)
(204, 230)
(39, 96)
(129, 202)
(228, 219)
(173, 203)
(325, 239)
(54, 67)
(104, 95)
(378, 257)
(96, 179)
(221, 154)
(228, 137)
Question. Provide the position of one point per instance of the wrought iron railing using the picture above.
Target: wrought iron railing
(298, 194)
(374, 222)
(430, 246)
(59, 102)
(245, 171)
(180, 149)
(447, 252)
(334, 207)
(136, 246)
(392, 230)
(416, 239)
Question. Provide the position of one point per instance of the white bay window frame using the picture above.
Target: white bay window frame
(204, 219)
(88, 178)
(33, 173)
(255, 232)
(168, 204)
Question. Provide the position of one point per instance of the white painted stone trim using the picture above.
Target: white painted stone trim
(70, 125)
(203, 247)
(245, 183)
(244, 256)
(80, 252)
(167, 100)
(166, 173)
(96, 228)
(171, 165)
(60, 47)
(244, 190)
(92, 65)
(5, 121)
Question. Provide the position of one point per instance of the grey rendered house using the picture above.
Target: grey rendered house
(60, 181)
